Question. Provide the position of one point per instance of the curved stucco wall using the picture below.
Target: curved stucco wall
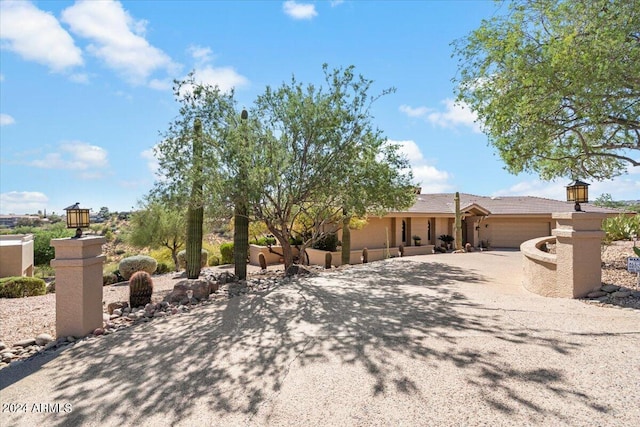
(540, 268)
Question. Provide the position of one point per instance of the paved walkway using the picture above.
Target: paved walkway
(430, 340)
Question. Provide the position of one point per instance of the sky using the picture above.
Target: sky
(85, 89)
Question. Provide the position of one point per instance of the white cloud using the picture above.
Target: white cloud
(37, 36)
(117, 39)
(22, 202)
(430, 178)
(89, 160)
(225, 78)
(152, 162)
(335, 3)
(299, 10)
(453, 116)
(6, 120)
(415, 112)
(79, 78)
(201, 54)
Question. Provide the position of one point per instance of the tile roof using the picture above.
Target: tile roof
(443, 203)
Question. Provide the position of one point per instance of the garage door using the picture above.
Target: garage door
(512, 234)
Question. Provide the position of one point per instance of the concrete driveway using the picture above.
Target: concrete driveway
(431, 340)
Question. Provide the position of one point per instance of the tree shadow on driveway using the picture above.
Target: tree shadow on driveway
(389, 319)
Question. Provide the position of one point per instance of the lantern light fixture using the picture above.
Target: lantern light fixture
(77, 218)
(578, 192)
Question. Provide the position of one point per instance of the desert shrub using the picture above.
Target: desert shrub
(182, 258)
(18, 287)
(266, 241)
(109, 279)
(136, 263)
(621, 227)
(162, 255)
(226, 253)
(213, 261)
(327, 243)
(43, 252)
(163, 268)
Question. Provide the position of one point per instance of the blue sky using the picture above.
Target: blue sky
(85, 88)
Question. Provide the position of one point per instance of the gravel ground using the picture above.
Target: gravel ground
(27, 317)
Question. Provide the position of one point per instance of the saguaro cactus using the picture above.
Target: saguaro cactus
(241, 213)
(195, 212)
(458, 223)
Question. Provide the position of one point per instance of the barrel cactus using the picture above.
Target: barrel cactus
(327, 260)
(263, 261)
(140, 289)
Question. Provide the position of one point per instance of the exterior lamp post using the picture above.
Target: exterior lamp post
(77, 218)
(578, 192)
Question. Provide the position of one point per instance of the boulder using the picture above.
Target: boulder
(43, 339)
(117, 305)
(200, 288)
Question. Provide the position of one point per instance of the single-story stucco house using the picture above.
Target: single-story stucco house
(488, 222)
(499, 222)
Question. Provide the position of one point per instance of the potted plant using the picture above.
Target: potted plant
(447, 239)
(417, 240)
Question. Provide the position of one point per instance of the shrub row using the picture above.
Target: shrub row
(18, 287)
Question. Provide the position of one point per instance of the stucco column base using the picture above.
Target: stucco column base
(578, 239)
(78, 265)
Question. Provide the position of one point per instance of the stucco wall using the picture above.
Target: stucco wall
(16, 255)
(373, 235)
(272, 256)
(540, 269)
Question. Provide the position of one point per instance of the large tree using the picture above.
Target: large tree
(318, 152)
(556, 86)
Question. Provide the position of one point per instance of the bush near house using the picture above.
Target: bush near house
(226, 253)
(18, 287)
(621, 227)
(327, 243)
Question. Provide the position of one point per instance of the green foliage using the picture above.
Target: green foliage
(446, 238)
(140, 289)
(18, 287)
(347, 163)
(213, 261)
(182, 258)
(636, 250)
(329, 242)
(555, 87)
(109, 279)
(43, 252)
(128, 266)
(226, 252)
(267, 241)
(621, 227)
(162, 268)
(158, 225)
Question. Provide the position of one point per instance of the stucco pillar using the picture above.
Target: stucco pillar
(78, 266)
(578, 239)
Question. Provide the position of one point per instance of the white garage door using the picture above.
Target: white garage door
(512, 234)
